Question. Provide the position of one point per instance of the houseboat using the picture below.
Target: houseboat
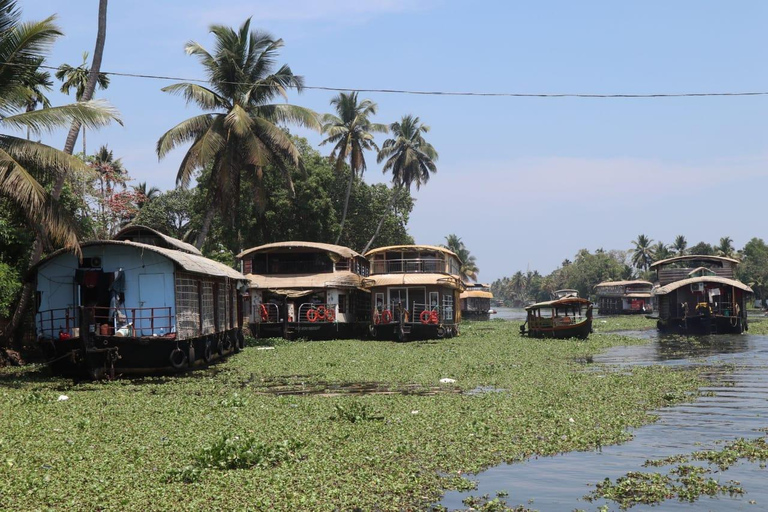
(565, 292)
(699, 294)
(476, 301)
(141, 303)
(568, 317)
(415, 292)
(306, 289)
(624, 297)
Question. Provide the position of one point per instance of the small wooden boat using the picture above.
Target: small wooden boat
(569, 317)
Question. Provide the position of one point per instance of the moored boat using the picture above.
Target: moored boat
(568, 317)
(414, 292)
(476, 301)
(624, 297)
(699, 294)
(143, 303)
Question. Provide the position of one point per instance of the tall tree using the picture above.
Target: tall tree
(20, 42)
(240, 134)
(702, 248)
(679, 246)
(725, 247)
(37, 82)
(144, 196)
(469, 267)
(661, 251)
(351, 132)
(642, 255)
(409, 158)
(77, 78)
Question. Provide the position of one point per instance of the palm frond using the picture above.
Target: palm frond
(201, 96)
(92, 114)
(187, 130)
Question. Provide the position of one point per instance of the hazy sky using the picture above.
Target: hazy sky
(525, 182)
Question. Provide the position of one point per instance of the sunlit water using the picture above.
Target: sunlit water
(736, 408)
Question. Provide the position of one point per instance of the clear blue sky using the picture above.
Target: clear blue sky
(525, 182)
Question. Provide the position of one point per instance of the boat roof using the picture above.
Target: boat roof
(338, 279)
(663, 290)
(190, 262)
(413, 279)
(694, 257)
(344, 252)
(173, 243)
(567, 301)
(623, 283)
(411, 248)
(476, 294)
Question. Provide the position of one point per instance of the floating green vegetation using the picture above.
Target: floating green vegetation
(686, 482)
(386, 434)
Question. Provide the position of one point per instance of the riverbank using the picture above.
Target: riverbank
(319, 425)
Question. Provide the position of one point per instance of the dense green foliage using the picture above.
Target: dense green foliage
(294, 427)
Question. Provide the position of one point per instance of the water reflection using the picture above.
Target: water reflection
(736, 407)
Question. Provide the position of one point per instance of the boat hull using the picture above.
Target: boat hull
(412, 331)
(702, 324)
(580, 330)
(308, 330)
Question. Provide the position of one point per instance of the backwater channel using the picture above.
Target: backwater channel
(735, 408)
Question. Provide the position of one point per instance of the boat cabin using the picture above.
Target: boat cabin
(414, 290)
(135, 307)
(569, 317)
(565, 292)
(476, 301)
(624, 297)
(700, 294)
(306, 289)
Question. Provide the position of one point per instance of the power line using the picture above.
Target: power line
(442, 93)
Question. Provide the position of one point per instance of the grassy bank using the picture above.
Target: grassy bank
(318, 425)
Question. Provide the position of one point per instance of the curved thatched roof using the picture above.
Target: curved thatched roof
(568, 301)
(411, 248)
(189, 262)
(338, 279)
(476, 294)
(128, 233)
(663, 290)
(413, 280)
(623, 283)
(344, 252)
(694, 257)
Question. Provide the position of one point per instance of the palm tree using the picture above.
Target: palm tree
(680, 244)
(468, 268)
(239, 135)
(37, 82)
(642, 257)
(110, 173)
(144, 196)
(725, 247)
(76, 78)
(409, 157)
(23, 45)
(661, 251)
(351, 132)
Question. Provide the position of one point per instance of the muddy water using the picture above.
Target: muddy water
(738, 407)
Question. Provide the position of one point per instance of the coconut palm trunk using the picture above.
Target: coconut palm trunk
(346, 206)
(390, 207)
(69, 146)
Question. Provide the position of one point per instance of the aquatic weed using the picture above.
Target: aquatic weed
(242, 453)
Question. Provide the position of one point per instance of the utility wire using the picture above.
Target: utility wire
(437, 93)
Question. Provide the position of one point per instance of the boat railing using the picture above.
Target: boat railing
(52, 323)
(708, 308)
(409, 266)
(145, 321)
(317, 313)
(269, 312)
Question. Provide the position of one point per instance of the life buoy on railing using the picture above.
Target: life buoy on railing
(264, 313)
(321, 312)
(425, 316)
(312, 315)
(386, 316)
(330, 316)
(433, 317)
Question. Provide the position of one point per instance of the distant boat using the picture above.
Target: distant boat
(476, 301)
(698, 294)
(624, 297)
(569, 317)
(565, 292)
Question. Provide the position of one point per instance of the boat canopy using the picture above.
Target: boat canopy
(138, 234)
(413, 280)
(338, 279)
(567, 301)
(339, 250)
(411, 248)
(695, 257)
(476, 294)
(705, 279)
(624, 283)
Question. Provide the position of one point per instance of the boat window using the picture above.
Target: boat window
(342, 303)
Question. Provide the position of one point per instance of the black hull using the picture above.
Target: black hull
(411, 332)
(581, 330)
(703, 325)
(475, 315)
(111, 356)
(308, 330)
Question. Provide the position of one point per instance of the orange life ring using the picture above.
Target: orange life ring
(264, 313)
(312, 315)
(425, 316)
(433, 317)
(321, 312)
(386, 316)
(330, 316)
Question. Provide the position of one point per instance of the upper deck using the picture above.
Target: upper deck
(302, 258)
(413, 259)
(685, 267)
(637, 288)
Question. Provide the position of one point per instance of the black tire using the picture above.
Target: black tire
(240, 340)
(178, 358)
(220, 347)
(191, 355)
(207, 351)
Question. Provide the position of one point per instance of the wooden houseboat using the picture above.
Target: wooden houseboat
(476, 301)
(306, 289)
(142, 303)
(699, 294)
(569, 317)
(415, 292)
(565, 292)
(624, 297)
